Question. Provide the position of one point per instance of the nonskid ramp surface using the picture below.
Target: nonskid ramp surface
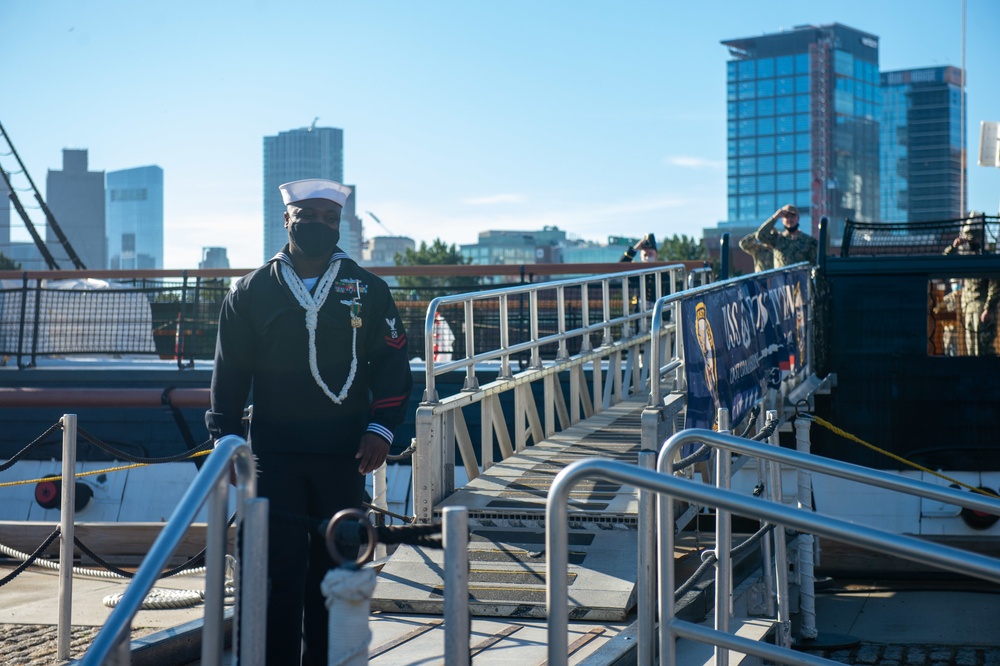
(506, 518)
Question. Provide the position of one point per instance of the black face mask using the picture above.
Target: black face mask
(315, 239)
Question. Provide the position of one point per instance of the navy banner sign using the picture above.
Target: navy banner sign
(741, 338)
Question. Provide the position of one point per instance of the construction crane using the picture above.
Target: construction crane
(49, 217)
(375, 217)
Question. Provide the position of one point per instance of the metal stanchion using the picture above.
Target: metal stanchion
(67, 521)
(456, 586)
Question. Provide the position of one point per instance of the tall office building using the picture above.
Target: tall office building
(310, 152)
(76, 197)
(921, 144)
(802, 126)
(214, 257)
(351, 228)
(134, 207)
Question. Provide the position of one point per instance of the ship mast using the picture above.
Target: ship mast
(49, 217)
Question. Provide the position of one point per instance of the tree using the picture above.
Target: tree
(682, 248)
(8, 264)
(438, 253)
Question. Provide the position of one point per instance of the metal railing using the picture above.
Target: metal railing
(669, 487)
(621, 325)
(111, 646)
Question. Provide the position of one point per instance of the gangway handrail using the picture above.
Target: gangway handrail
(504, 353)
(111, 645)
(669, 487)
(440, 423)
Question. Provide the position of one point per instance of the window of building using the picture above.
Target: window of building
(785, 162)
(731, 70)
(802, 103)
(802, 162)
(731, 188)
(802, 84)
(730, 91)
(803, 180)
(783, 105)
(748, 206)
(748, 165)
(803, 199)
(765, 67)
(785, 143)
(765, 164)
(731, 167)
(747, 89)
(765, 126)
(802, 141)
(765, 183)
(747, 184)
(765, 107)
(731, 129)
(732, 208)
(747, 147)
(802, 63)
(765, 88)
(843, 102)
(765, 144)
(747, 127)
(785, 85)
(747, 109)
(785, 124)
(785, 182)
(784, 65)
(731, 148)
(747, 70)
(802, 122)
(786, 198)
(843, 63)
(765, 202)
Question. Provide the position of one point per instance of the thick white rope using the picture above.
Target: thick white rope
(312, 304)
(348, 595)
(78, 571)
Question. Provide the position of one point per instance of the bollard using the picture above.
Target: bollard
(456, 586)
(807, 588)
(348, 593)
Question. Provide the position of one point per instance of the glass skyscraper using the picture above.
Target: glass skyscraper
(310, 152)
(921, 144)
(802, 126)
(134, 206)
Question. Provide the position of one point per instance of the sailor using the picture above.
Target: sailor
(645, 247)
(979, 295)
(763, 255)
(791, 246)
(322, 345)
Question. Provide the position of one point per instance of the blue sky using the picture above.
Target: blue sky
(603, 118)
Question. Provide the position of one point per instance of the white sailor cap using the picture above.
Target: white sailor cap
(314, 188)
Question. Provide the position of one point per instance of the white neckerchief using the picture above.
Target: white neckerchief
(312, 304)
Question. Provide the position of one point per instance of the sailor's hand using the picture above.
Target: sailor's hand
(371, 452)
(986, 316)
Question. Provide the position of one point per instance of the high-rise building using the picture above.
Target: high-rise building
(214, 257)
(351, 229)
(76, 197)
(921, 144)
(309, 152)
(134, 205)
(802, 126)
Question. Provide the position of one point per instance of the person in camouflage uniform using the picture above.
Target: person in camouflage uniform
(979, 298)
(790, 246)
(763, 255)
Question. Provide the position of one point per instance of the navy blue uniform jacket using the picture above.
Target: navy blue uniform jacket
(263, 344)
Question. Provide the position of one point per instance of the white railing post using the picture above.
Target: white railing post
(723, 544)
(380, 500)
(807, 587)
(784, 637)
(426, 475)
(66, 521)
(456, 586)
(646, 579)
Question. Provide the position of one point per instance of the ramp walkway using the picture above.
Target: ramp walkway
(506, 509)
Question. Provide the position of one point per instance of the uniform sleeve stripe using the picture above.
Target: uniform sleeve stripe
(388, 402)
(381, 431)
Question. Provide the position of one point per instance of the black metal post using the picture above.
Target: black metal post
(724, 257)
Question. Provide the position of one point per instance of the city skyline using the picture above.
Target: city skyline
(457, 119)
